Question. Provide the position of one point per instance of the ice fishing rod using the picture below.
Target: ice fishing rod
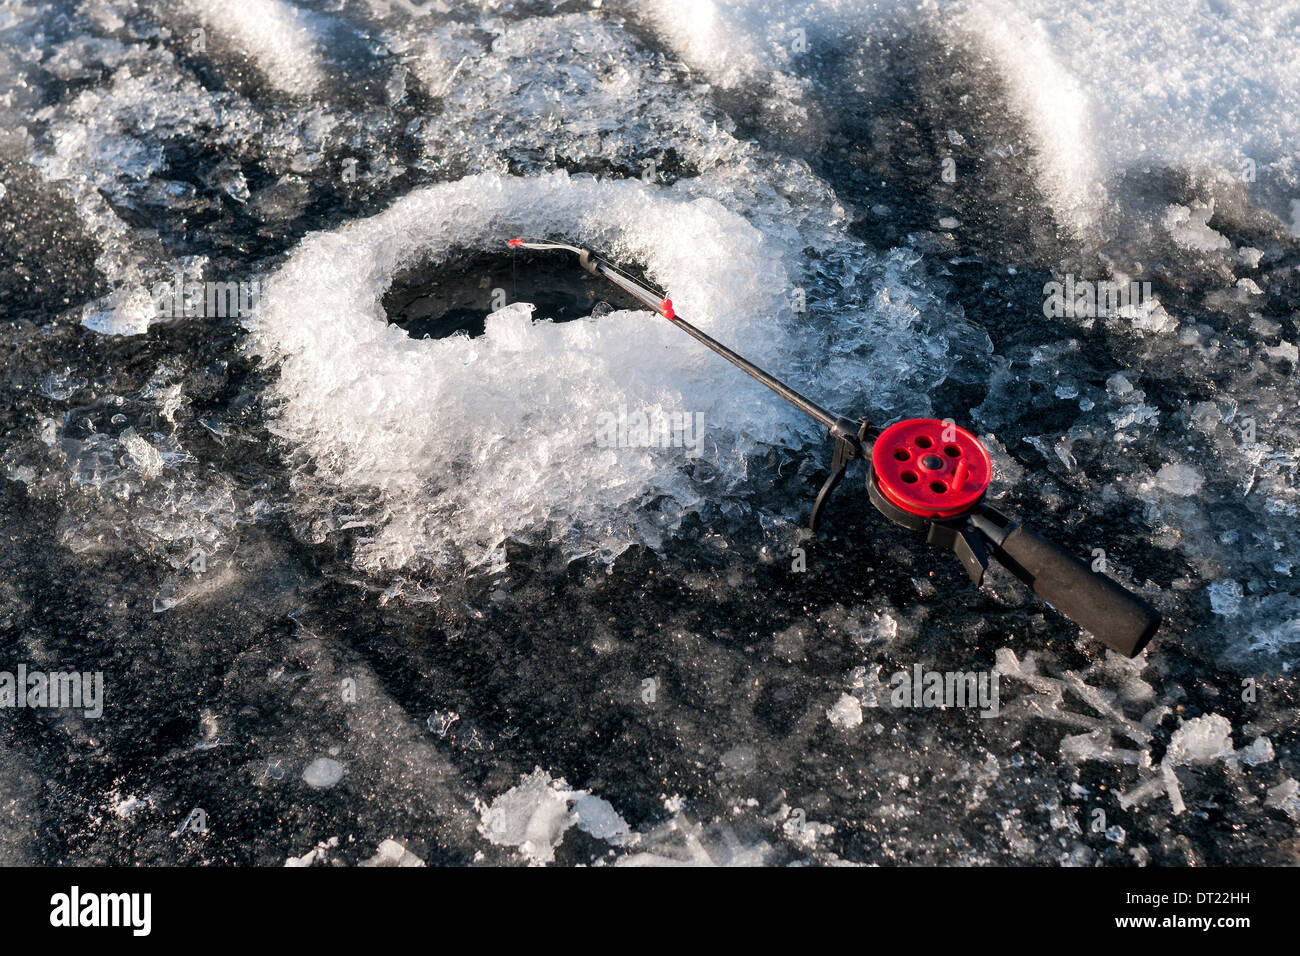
(931, 476)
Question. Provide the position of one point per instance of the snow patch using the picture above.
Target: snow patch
(285, 40)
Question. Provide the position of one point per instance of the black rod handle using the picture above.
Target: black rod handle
(1114, 615)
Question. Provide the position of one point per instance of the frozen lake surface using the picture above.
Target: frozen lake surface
(308, 465)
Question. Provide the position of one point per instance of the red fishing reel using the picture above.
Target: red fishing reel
(930, 469)
(931, 476)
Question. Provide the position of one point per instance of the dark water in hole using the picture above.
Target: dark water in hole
(433, 302)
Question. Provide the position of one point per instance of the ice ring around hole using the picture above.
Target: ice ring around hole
(434, 452)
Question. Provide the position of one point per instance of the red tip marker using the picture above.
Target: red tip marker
(667, 306)
(514, 242)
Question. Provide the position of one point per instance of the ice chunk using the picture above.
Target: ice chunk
(1063, 818)
(846, 712)
(126, 312)
(535, 815)
(1189, 228)
(440, 721)
(62, 385)
(1097, 746)
(1285, 797)
(681, 842)
(1200, 740)
(125, 808)
(1172, 788)
(140, 455)
(1259, 752)
(1285, 351)
(532, 816)
(1225, 597)
(317, 854)
(392, 853)
(106, 145)
(1144, 791)
(597, 817)
(1180, 478)
(322, 773)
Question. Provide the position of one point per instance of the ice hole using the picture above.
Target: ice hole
(456, 295)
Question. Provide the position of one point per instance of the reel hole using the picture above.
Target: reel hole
(952, 451)
(902, 454)
(923, 441)
(910, 477)
(938, 487)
